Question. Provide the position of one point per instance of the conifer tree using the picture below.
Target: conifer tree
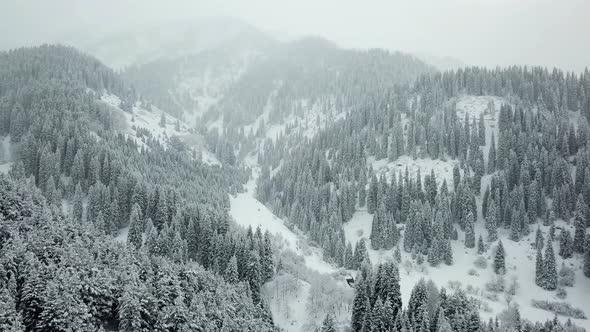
(135, 227)
(565, 244)
(580, 225)
(587, 257)
(539, 240)
(328, 324)
(372, 197)
(539, 269)
(480, 245)
(549, 269)
(231, 270)
(499, 259)
(469, 231)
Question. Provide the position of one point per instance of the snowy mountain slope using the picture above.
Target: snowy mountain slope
(520, 267)
(142, 118)
(247, 211)
(463, 272)
(307, 287)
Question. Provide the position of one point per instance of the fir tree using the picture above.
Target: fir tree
(580, 225)
(328, 324)
(539, 269)
(539, 240)
(549, 269)
(587, 257)
(480, 246)
(499, 259)
(565, 244)
(469, 231)
(135, 227)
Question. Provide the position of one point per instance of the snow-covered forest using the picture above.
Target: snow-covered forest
(248, 183)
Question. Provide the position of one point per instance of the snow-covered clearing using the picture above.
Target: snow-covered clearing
(520, 263)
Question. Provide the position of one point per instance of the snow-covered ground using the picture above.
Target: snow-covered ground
(4, 168)
(521, 255)
(246, 210)
(520, 265)
(150, 120)
(309, 121)
(308, 288)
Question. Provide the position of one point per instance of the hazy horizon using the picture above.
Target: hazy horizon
(479, 32)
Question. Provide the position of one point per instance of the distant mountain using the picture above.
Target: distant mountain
(143, 45)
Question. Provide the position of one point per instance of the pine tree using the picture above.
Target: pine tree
(491, 224)
(348, 257)
(372, 197)
(580, 225)
(480, 245)
(587, 257)
(448, 253)
(539, 269)
(78, 204)
(135, 227)
(539, 240)
(231, 270)
(266, 258)
(549, 269)
(565, 244)
(328, 324)
(499, 259)
(469, 231)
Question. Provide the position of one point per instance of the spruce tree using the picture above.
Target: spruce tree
(539, 269)
(587, 257)
(565, 244)
(499, 259)
(549, 269)
(328, 324)
(134, 236)
(580, 225)
(469, 231)
(231, 270)
(539, 240)
(480, 245)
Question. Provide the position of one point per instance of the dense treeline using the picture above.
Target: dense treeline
(68, 145)
(313, 72)
(538, 161)
(378, 307)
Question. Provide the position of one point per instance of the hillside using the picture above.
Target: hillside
(88, 161)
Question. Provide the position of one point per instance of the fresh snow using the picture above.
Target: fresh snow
(520, 264)
(4, 168)
(246, 210)
(520, 256)
(150, 120)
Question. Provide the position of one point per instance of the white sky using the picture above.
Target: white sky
(480, 32)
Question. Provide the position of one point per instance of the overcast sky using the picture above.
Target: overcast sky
(479, 32)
